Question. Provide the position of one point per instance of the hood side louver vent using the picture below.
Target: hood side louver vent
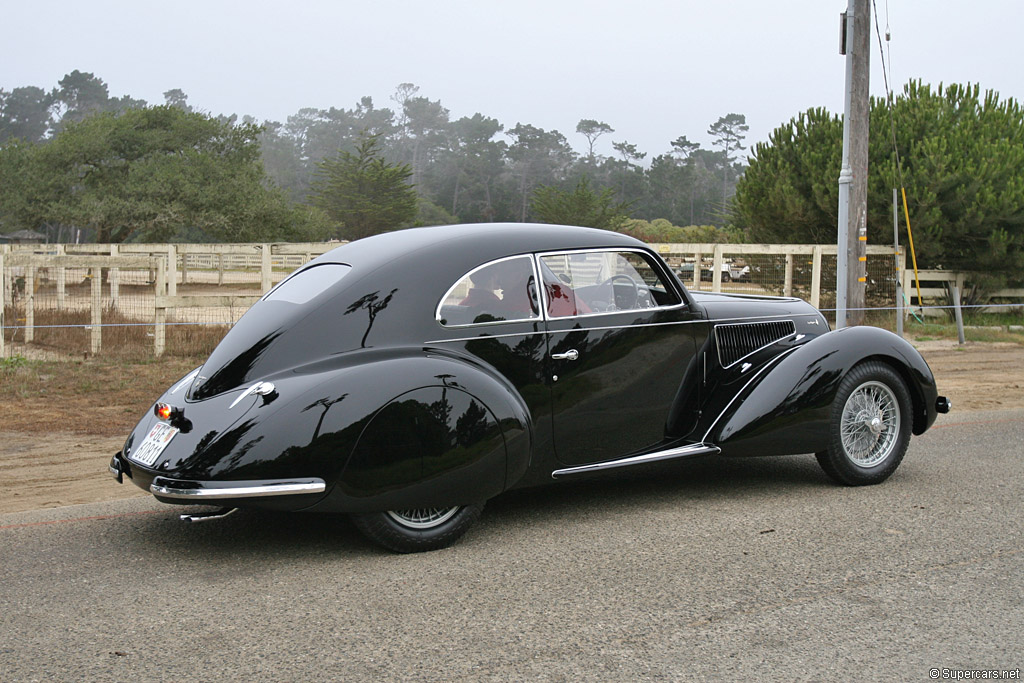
(740, 340)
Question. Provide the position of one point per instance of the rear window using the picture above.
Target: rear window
(303, 286)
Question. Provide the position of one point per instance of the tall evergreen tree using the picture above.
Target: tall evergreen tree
(961, 152)
(363, 192)
(149, 174)
(583, 206)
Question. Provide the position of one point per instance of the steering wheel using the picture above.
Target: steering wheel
(625, 302)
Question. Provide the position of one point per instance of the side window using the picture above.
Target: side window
(581, 283)
(500, 291)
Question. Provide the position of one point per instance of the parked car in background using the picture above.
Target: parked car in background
(407, 378)
(729, 273)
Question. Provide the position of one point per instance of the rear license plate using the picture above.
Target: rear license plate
(154, 444)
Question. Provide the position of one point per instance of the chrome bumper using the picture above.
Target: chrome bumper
(215, 490)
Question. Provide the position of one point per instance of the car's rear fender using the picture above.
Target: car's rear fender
(423, 429)
(314, 421)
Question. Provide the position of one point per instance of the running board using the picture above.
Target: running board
(672, 453)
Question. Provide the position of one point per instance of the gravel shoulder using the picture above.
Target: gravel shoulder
(43, 465)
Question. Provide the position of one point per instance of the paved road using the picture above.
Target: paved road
(710, 569)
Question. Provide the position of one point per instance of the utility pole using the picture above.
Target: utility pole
(851, 265)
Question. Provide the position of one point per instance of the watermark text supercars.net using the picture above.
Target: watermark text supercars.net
(943, 674)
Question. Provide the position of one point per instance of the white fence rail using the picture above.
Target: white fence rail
(65, 296)
(135, 285)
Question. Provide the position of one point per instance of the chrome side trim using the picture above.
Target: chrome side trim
(598, 328)
(283, 488)
(753, 377)
(681, 452)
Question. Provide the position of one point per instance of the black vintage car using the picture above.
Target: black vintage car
(407, 378)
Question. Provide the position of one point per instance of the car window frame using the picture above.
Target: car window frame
(652, 260)
(540, 316)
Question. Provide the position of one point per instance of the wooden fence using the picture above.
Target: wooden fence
(30, 267)
(160, 267)
(140, 282)
(935, 287)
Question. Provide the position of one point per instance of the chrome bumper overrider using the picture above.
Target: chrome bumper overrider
(200, 491)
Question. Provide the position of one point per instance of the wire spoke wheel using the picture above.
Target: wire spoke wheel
(415, 530)
(870, 424)
(423, 518)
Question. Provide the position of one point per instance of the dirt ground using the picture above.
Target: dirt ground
(45, 463)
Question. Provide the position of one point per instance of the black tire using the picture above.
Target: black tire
(874, 405)
(419, 530)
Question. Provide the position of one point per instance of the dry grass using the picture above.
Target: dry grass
(124, 338)
(102, 396)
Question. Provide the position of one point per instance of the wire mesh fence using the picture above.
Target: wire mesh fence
(135, 300)
(139, 300)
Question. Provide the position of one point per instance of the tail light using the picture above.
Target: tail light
(167, 412)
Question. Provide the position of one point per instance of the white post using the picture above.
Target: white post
(61, 281)
(787, 285)
(114, 279)
(159, 313)
(30, 304)
(172, 270)
(220, 269)
(7, 283)
(697, 256)
(265, 280)
(957, 313)
(96, 338)
(3, 305)
(816, 276)
(716, 273)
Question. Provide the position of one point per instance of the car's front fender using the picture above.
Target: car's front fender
(784, 407)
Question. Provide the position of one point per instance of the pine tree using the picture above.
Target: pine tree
(363, 192)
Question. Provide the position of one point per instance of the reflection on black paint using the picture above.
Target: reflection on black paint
(432, 431)
(471, 426)
(373, 307)
(446, 380)
(326, 404)
(521, 364)
(234, 372)
(222, 454)
(814, 388)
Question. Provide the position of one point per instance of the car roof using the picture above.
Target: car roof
(480, 242)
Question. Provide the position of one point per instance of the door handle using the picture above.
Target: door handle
(571, 354)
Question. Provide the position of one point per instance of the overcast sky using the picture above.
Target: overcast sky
(651, 69)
